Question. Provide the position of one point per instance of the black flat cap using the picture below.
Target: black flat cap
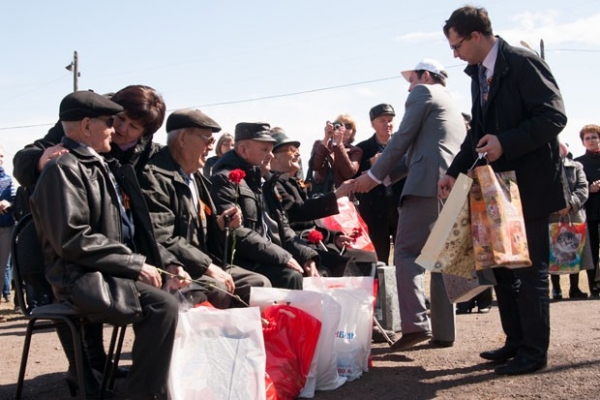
(282, 139)
(254, 131)
(86, 104)
(188, 118)
(381, 109)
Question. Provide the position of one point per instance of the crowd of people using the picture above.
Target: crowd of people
(166, 220)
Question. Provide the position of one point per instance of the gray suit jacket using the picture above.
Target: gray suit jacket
(429, 137)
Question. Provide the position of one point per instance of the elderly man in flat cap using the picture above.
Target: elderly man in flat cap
(184, 216)
(79, 214)
(262, 245)
(379, 207)
(429, 136)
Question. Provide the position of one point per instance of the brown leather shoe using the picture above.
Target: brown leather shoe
(411, 339)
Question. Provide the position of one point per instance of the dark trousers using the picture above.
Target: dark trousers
(595, 246)
(280, 276)
(154, 336)
(573, 281)
(522, 296)
(382, 224)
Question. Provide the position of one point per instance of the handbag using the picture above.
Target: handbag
(449, 247)
(567, 242)
(497, 223)
(460, 289)
(106, 298)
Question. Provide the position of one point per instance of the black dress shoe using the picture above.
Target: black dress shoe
(577, 294)
(502, 354)
(520, 365)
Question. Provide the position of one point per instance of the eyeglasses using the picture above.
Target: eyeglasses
(455, 47)
(108, 121)
(209, 140)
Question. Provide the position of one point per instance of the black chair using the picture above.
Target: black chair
(35, 298)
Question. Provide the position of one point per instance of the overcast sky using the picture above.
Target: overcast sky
(292, 64)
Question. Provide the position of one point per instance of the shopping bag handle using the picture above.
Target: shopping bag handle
(480, 157)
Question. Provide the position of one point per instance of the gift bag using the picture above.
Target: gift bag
(350, 223)
(497, 223)
(218, 354)
(290, 336)
(567, 242)
(449, 247)
(353, 334)
(461, 289)
(323, 374)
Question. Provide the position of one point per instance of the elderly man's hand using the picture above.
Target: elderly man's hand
(182, 278)
(150, 275)
(491, 145)
(445, 186)
(233, 215)
(218, 274)
(293, 264)
(310, 268)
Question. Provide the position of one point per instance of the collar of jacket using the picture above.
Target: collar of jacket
(81, 151)
(231, 160)
(501, 69)
(163, 163)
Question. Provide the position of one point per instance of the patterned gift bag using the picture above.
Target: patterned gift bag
(567, 241)
(497, 224)
(449, 247)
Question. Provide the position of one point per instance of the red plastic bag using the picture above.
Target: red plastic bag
(290, 341)
(350, 223)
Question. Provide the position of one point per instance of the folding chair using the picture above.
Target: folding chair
(35, 298)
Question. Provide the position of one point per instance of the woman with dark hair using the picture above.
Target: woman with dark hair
(224, 144)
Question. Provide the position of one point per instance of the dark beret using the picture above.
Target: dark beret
(188, 118)
(282, 139)
(254, 131)
(85, 103)
(381, 109)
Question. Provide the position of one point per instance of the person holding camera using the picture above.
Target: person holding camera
(333, 159)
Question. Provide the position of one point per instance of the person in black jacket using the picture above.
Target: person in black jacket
(90, 216)
(262, 244)
(518, 112)
(379, 207)
(590, 137)
(183, 213)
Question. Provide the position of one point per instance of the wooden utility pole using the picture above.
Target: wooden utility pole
(74, 67)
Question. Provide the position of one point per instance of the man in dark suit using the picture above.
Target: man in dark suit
(379, 207)
(428, 138)
(518, 113)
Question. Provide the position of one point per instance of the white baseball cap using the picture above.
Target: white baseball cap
(427, 64)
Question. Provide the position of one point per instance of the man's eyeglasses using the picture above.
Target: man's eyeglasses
(108, 121)
(455, 47)
(209, 140)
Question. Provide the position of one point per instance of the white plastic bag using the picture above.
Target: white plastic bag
(353, 336)
(323, 373)
(218, 354)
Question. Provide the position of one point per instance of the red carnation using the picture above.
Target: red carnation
(314, 237)
(237, 175)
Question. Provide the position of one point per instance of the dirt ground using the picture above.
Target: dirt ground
(423, 372)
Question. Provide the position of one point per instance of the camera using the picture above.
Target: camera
(337, 125)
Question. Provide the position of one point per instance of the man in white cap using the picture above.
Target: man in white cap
(427, 139)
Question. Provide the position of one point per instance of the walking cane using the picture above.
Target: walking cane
(226, 220)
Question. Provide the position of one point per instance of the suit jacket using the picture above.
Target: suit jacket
(429, 136)
(525, 111)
